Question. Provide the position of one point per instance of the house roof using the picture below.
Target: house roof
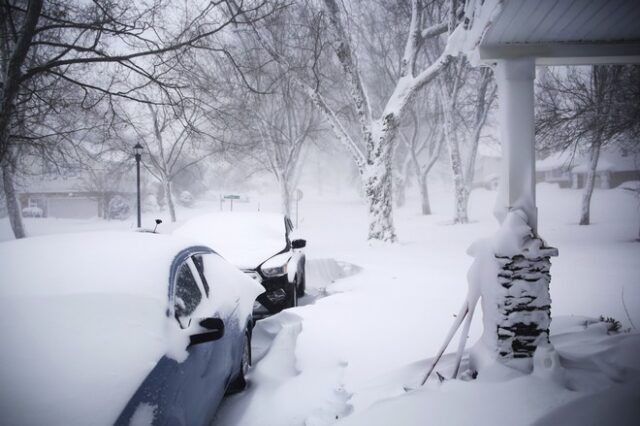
(563, 160)
(556, 32)
(51, 184)
(611, 159)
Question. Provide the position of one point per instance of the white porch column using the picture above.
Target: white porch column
(517, 307)
(516, 117)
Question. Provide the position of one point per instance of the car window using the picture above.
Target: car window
(197, 260)
(188, 295)
(224, 279)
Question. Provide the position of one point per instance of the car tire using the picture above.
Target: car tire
(240, 383)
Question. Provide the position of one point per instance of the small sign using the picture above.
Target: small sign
(231, 197)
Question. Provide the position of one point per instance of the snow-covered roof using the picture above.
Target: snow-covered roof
(51, 184)
(246, 239)
(55, 183)
(564, 160)
(611, 159)
(556, 32)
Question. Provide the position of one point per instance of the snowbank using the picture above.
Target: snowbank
(79, 312)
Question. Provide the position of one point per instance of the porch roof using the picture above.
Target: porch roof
(557, 32)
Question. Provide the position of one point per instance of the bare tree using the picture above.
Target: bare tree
(464, 92)
(284, 122)
(103, 49)
(378, 131)
(585, 109)
(104, 176)
(278, 118)
(173, 137)
(425, 144)
(372, 148)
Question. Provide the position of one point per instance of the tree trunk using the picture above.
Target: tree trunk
(169, 198)
(378, 189)
(285, 196)
(424, 196)
(12, 62)
(461, 192)
(401, 193)
(13, 204)
(590, 183)
(378, 180)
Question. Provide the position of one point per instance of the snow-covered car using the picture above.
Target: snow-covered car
(32, 211)
(120, 328)
(263, 246)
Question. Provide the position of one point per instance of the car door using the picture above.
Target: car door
(206, 370)
(225, 293)
(187, 385)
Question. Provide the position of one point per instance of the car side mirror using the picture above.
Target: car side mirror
(298, 244)
(215, 331)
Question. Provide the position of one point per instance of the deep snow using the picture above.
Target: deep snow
(374, 317)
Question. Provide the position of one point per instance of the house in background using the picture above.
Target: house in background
(487, 167)
(569, 169)
(556, 168)
(65, 198)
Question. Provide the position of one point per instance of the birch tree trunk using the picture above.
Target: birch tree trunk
(400, 191)
(11, 198)
(168, 196)
(422, 171)
(285, 196)
(461, 192)
(375, 161)
(378, 190)
(378, 179)
(424, 195)
(590, 183)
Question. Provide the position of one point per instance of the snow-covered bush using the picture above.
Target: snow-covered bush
(150, 203)
(613, 325)
(119, 208)
(186, 199)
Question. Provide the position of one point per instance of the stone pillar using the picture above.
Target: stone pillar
(523, 302)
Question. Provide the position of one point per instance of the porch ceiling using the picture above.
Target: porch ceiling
(563, 32)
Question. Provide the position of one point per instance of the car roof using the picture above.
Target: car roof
(245, 239)
(93, 262)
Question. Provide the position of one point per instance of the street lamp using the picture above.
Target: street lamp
(137, 149)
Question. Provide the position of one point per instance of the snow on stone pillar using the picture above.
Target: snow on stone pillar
(522, 298)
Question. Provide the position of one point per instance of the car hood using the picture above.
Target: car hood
(247, 257)
(76, 359)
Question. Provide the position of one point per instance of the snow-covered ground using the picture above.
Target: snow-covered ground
(375, 314)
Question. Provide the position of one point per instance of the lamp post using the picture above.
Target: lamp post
(137, 149)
